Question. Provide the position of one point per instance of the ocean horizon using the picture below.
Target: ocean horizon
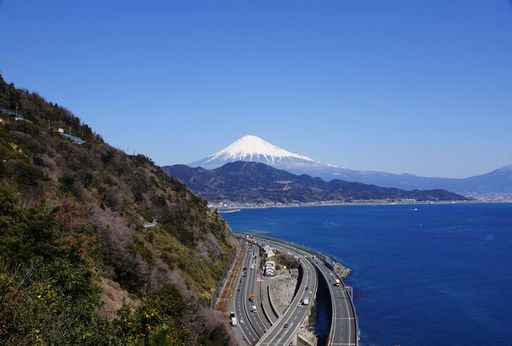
(423, 274)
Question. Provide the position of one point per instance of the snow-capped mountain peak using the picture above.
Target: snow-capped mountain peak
(254, 149)
(249, 146)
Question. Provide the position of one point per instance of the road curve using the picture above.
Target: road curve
(344, 330)
(286, 327)
(343, 326)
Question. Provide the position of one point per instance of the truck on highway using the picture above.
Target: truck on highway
(253, 309)
(305, 301)
(252, 297)
(337, 282)
(232, 319)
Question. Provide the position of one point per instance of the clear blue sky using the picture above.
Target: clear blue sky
(402, 86)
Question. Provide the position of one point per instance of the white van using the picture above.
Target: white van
(232, 319)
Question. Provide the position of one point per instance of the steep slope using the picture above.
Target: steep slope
(88, 222)
(256, 183)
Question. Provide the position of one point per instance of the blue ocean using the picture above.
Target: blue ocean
(422, 274)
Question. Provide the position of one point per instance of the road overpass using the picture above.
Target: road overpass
(266, 328)
(285, 329)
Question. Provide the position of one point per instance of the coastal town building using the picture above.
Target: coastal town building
(270, 268)
(268, 251)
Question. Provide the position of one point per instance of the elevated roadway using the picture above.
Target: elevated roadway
(285, 329)
(343, 324)
(344, 329)
(270, 311)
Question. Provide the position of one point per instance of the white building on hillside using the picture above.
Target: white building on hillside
(269, 251)
(270, 268)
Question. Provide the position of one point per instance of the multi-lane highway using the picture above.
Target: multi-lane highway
(344, 324)
(256, 317)
(286, 327)
(250, 323)
(255, 327)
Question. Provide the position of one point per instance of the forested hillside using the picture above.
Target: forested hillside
(97, 246)
(257, 183)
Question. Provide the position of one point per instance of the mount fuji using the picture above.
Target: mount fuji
(254, 149)
(493, 185)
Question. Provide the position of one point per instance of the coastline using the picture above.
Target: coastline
(341, 269)
(226, 208)
(401, 245)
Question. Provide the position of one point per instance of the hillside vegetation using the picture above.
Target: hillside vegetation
(257, 183)
(77, 264)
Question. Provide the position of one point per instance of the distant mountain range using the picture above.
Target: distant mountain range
(256, 183)
(497, 183)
